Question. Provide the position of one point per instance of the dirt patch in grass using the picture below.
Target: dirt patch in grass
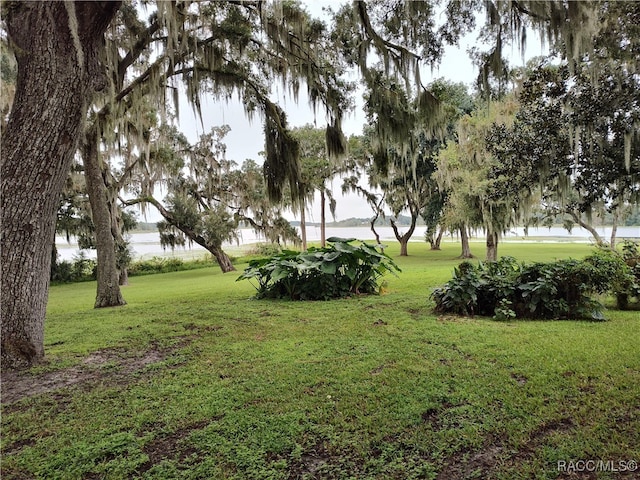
(432, 415)
(520, 379)
(171, 446)
(310, 463)
(466, 464)
(17, 446)
(481, 463)
(113, 364)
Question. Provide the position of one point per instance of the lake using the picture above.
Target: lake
(147, 245)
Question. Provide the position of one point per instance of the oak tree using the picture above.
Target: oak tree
(58, 48)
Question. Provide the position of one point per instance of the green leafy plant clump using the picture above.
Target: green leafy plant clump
(81, 269)
(335, 271)
(165, 265)
(626, 292)
(506, 289)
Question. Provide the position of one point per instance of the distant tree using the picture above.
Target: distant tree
(455, 102)
(357, 166)
(74, 220)
(575, 138)
(577, 132)
(208, 198)
(404, 172)
(476, 197)
(317, 169)
(408, 186)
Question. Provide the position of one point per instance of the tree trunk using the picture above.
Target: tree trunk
(404, 239)
(464, 238)
(223, 259)
(54, 258)
(492, 247)
(323, 234)
(117, 229)
(403, 247)
(596, 236)
(435, 241)
(436, 245)
(303, 228)
(124, 277)
(375, 233)
(614, 230)
(57, 50)
(108, 290)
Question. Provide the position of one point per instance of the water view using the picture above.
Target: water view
(147, 245)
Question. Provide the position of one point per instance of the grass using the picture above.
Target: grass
(364, 388)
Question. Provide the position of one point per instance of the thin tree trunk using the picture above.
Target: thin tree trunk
(377, 210)
(323, 235)
(108, 290)
(587, 227)
(435, 241)
(614, 230)
(438, 241)
(375, 233)
(373, 229)
(223, 259)
(57, 50)
(124, 277)
(117, 229)
(464, 238)
(54, 257)
(404, 239)
(492, 247)
(303, 228)
(219, 254)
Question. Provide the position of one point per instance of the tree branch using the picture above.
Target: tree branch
(382, 44)
(136, 51)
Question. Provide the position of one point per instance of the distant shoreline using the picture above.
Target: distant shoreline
(146, 243)
(146, 227)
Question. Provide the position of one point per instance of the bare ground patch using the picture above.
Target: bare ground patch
(114, 364)
(310, 463)
(466, 464)
(171, 446)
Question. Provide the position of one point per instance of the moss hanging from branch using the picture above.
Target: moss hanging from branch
(572, 26)
(281, 163)
(335, 141)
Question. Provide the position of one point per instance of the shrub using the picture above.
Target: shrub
(61, 272)
(265, 249)
(81, 269)
(165, 265)
(477, 290)
(555, 290)
(625, 292)
(335, 271)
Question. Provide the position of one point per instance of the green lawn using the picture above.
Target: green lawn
(195, 379)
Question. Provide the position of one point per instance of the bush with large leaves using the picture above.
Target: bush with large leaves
(556, 290)
(335, 271)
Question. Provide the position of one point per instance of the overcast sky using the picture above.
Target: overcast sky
(245, 139)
